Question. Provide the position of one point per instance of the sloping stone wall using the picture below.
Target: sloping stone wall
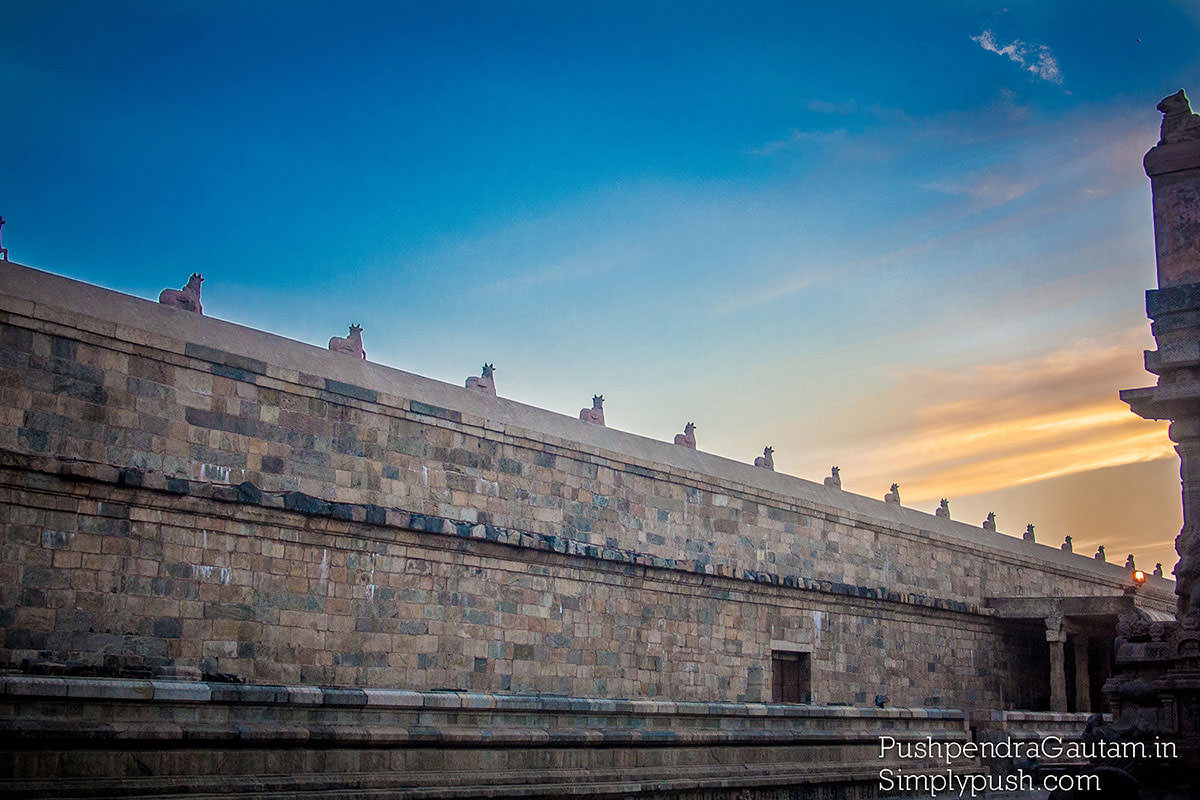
(156, 388)
(188, 494)
(107, 579)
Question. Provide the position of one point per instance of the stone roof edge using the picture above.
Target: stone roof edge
(174, 329)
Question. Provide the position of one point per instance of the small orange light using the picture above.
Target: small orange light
(1139, 577)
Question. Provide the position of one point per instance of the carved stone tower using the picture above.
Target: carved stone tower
(1174, 308)
(1156, 691)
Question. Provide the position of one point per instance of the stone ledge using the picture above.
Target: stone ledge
(42, 731)
(1172, 299)
(1045, 716)
(164, 691)
(598, 781)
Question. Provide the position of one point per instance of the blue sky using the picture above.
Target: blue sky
(910, 239)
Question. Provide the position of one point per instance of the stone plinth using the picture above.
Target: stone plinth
(208, 739)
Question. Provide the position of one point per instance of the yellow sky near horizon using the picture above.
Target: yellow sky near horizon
(1026, 439)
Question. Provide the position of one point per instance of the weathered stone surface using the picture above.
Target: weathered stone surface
(469, 744)
(305, 504)
(434, 538)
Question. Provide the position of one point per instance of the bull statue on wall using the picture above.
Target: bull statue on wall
(485, 383)
(596, 412)
(766, 460)
(352, 344)
(187, 298)
(688, 437)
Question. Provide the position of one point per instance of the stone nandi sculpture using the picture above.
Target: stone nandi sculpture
(351, 344)
(1179, 123)
(765, 460)
(834, 479)
(1028, 535)
(596, 412)
(484, 384)
(688, 437)
(893, 496)
(1100, 554)
(943, 509)
(187, 298)
(1129, 562)
(989, 524)
(1066, 545)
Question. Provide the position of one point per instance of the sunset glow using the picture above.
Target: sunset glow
(909, 241)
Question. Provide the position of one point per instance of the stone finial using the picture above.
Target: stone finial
(3, 250)
(766, 461)
(1179, 123)
(187, 298)
(1028, 535)
(1129, 564)
(943, 509)
(1100, 554)
(688, 437)
(1066, 545)
(893, 496)
(351, 345)
(1158, 573)
(596, 412)
(485, 383)
(989, 524)
(835, 478)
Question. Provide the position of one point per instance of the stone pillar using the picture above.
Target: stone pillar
(1056, 639)
(1083, 678)
(1174, 308)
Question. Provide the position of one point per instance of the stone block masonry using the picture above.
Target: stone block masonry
(585, 560)
(104, 578)
(189, 499)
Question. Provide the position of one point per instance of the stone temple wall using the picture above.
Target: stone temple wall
(404, 533)
(234, 563)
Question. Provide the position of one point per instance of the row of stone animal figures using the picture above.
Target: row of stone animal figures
(188, 299)
(989, 524)
(485, 383)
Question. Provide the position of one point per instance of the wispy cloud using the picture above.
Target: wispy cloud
(1006, 424)
(786, 288)
(988, 187)
(800, 138)
(1131, 508)
(567, 270)
(1103, 158)
(1036, 59)
(793, 283)
(856, 108)
(843, 137)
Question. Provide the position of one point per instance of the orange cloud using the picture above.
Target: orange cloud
(997, 425)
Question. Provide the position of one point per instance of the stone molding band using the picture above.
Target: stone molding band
(247, 493)
(39, 687)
